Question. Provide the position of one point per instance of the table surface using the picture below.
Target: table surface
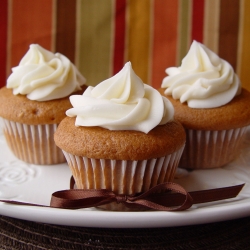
(20, 234)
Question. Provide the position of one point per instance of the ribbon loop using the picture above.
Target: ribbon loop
(161, 197)
(156, 198)
(81, 198)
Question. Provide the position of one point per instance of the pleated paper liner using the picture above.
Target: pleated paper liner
(33, 143)
(122, 177)
(211, 149)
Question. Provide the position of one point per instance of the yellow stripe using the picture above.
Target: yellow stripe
(245, 49)
(138, 41)
(211, 24)
(53, 32)
(94, 39)
(184, 29)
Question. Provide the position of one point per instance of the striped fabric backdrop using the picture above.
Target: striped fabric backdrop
(99, 36)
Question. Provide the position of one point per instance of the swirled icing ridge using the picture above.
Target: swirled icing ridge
(203, 80)
(42, 75)
(122, 102)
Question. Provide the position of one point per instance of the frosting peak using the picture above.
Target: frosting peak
(122, 102)
(43, 76)
(203, 80)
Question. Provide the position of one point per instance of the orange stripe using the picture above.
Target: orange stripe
(165, 39)
(31, 23)
(138, 42)
(245, 49)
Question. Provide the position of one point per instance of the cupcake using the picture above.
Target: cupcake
(120, 135)
(34, 102)
(211, 105)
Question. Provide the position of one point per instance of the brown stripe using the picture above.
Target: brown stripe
(228, 31)
(66, 28)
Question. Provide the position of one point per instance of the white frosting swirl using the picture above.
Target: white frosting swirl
(203, 80)
(43, 76)
(122, 102)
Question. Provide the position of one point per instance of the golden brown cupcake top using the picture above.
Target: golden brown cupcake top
(235, 114)
(20, 109)
(101, 143)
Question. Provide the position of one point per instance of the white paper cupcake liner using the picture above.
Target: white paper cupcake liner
(122, 177)
(33, 143)
(211, 149)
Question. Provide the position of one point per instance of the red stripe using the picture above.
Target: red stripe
(165, 32)
(3, 40)
(119, 36)
(31, 23)
(197, 20)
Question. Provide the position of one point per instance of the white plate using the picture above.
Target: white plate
(35, 184)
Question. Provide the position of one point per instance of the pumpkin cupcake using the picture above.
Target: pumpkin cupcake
(211, 105)
(121, 136)
(34, 102)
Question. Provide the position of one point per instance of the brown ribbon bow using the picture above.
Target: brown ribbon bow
(152, 199)
(163, 197)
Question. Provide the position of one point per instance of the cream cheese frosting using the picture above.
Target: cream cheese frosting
(122, 102)
(203, 80)
(42, 75)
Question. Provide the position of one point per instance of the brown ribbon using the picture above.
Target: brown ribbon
(163, 197)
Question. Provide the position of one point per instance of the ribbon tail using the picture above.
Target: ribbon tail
(203, 196)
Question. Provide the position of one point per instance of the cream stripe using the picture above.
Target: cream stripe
(151, 38)
(78, 27)
(178, 40)
(245, 55)
(211, 24)
(127, 16)
(189, 24)
(184, 29)
(53, 32)
(112, 37)
(9, 38)
(138, 44)
(94, 51)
